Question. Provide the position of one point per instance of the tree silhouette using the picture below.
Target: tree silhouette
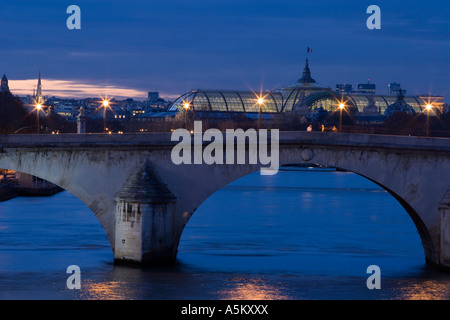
(13, 114)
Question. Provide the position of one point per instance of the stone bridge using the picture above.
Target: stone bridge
(143, 200)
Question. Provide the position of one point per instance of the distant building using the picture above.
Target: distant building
(37, 96)
(446, 108)
(121, 114)
(436, 101)
(156, 116)
(305, 96)
(366, 88)
(399, 106)
(4, 84)
(153, 96)
(344, 88)
(395, 89)
(306, 78)
(153, 101)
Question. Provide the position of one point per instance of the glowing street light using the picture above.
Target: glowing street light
(186, 107)
(428, 107)
(260, 102)
(341, 107)
(105, 104)
(38, 108)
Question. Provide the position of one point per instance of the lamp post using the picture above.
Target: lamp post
(260, 102)
(186, 107)
(38, 108)
(428, 107)
(341, 107)
(105, 104)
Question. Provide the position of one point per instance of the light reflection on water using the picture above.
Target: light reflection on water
(243, 288)
(423, 290)
(112, 290)
(296, 235)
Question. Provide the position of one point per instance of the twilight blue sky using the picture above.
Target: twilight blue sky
(174, 46)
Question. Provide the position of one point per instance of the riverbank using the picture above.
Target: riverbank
(9, 191)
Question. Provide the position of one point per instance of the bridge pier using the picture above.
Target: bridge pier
(145, 221)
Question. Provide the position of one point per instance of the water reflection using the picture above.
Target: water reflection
(419, 289)
(105, 290)
(251, 289)
(115, 282)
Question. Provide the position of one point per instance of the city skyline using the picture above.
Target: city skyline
(177, 47)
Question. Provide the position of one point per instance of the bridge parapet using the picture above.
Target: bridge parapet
(164, 140)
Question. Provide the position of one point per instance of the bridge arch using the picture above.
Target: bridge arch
(39, 227)
(423, 232)
(62, 183)
(410, 176)
(427, 242)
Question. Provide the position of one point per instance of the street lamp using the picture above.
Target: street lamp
(341, 107)
(186, 107)
(428, 107)
(38, 108)
(105, 104)
(260, 102)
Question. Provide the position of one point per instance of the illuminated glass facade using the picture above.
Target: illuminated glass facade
(284, 101)
(229, 101)
(304, 92)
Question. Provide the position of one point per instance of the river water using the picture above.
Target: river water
(299, 234)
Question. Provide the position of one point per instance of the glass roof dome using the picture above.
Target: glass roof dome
(305, 91)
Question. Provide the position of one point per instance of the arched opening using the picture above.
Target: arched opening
(35, 180)
(422, 230)
(303, 233)
(329, 101)
(41, 235)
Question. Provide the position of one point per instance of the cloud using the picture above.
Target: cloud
(73, 89)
